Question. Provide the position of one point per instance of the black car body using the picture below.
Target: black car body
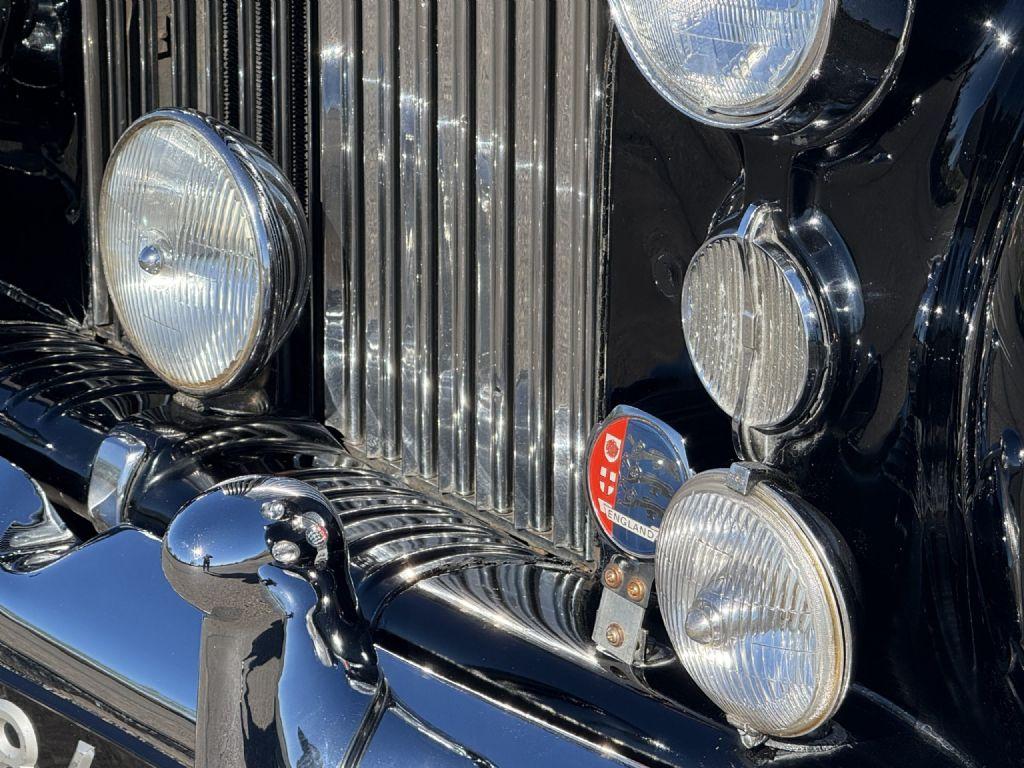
(515, 159)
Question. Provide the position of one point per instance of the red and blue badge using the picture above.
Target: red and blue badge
(636, 465)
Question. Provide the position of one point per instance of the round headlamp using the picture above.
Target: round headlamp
(205, 250)
(753, 586)
(727, 62)
(752, 324)
(794, 67)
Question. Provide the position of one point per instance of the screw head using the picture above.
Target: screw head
(636, 590)
(615, 635)
(285, 552)
(613, 577)
(151, 259)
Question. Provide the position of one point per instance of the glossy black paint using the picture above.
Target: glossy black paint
(42, 218)
(919, 465)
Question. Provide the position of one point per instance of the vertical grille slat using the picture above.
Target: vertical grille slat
(417, 270)
(493, 190)
(455, 228)
(380, 140)
(531, 499)
(183, 61)
(572, 396)
(341, 180)
(248, 41)
(207, 52)
(476, 239)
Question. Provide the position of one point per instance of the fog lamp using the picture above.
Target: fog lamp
(754, 586)
(205, 250)
(752, 324)
(726, 62)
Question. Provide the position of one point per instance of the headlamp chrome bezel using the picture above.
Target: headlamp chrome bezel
(819, 270)
(281, 232)
(822, 542)
(856, 54)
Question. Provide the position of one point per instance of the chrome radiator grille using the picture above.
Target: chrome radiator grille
(460, 181)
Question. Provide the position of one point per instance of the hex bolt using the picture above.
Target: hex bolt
(636, 589)
(274, 510)
(613, 576)
(615, 635)
(285, 552)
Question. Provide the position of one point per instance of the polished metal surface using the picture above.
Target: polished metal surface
(113, 472)
(95, 153)
(494, 632)
(460, 182)
(281, 634)
(815, 265)
(31, 532)
(102, 629)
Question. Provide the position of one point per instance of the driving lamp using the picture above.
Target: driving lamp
(205, 250)
(753, 326)
(753, 587)
(733, 63)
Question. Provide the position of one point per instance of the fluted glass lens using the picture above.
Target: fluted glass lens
(181, 255)
(753, 617)
(733, 57)
(758, 368)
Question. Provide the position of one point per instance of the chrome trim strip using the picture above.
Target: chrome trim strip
(206, 56)
(578, 85)
(92, 65)
(117, 69)
(418, 251)
(149, 75)
(247, 112)
(532, 274)
(341, 176)
(456, 262)
(493, 178)
(183, 60)
(379, 142)
(282, 86)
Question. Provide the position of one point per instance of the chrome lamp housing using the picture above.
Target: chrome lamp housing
(766, 308)
(802, 71)
(205, 249)
(757, 591)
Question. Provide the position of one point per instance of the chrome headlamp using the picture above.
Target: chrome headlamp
(765, 307)
(789, 65)
(755, 588)
(205, 249)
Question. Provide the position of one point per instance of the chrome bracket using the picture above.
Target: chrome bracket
(117, 463)
(618, 630)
